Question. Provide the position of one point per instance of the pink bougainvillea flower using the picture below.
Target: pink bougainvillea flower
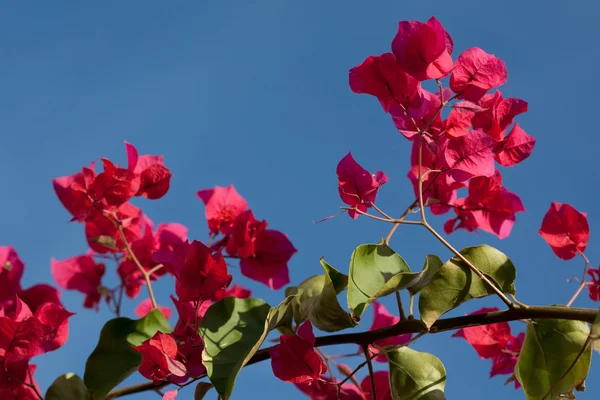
(470, 156)
(498, 115)
(114, 186)
(21, 336)
(145, 307)
(458, 122)
(487, 340)
(170, 394)
(68, 190)
(382, 319)
(201, 274)
(190, 315)
(223, 205)
(17, 382)
(495, 342)
(154, 178)
(326, 389)
(11, 271)
(53, 318)
(159, 358)
(505, 362)
(489, 207)
(475, 72)
(246, 229)
(438, 188)
(99, 227)
(423, 49)
(382, 77)
(295, 360)
(566, 230)
(516, 147)
(425, 115)
(80, 273)
(594, 286)
(190, 354)
(233, 291)
(357, 187)
(382, 386)
(272, 252)
(39, 294)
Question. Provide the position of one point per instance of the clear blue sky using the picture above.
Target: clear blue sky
(255, 93)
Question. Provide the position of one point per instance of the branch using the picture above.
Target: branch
(414, 326)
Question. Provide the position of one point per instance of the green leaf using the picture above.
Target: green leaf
(374, 272)
(113, 359)
(432, 266)
(201, 389)
(232, 330)
(415, 375)
(549, 350)
(324, 310)
(67, 387)
(595, 333)
(455, 283)
(280, 317)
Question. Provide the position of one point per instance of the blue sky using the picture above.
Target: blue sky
(256, 94)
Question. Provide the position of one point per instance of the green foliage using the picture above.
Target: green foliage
(232, 330)
(374, 272)
(455, 283)
(547, 363)
(416, 375)
(113, 359)
(67, 387)
(377, 271)
(323, 309)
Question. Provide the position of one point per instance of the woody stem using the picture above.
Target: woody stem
(411, 326)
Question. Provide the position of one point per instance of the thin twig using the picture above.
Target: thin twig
(136, 262)
(371, 373)
(582, 283)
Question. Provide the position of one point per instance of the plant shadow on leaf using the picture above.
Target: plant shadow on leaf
(232, 330)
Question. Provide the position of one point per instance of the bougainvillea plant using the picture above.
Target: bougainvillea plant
(461, 133)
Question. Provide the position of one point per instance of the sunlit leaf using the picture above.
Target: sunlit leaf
(546, 360)
(416, 375)
(232, 330)
(455, 283)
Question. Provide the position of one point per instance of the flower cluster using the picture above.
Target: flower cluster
(453, 151)
(32, 322)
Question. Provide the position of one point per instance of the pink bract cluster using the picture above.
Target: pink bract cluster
(33, 321)
(120, 232)
(458, 149)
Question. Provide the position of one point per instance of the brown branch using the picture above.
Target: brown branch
(414, 326)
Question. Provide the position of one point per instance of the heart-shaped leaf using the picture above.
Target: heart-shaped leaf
(416, 375)
(550, 348)
(113, 359)
(67, 387)
(323, 310)
(455, 283)
(232, 330)
(372, 266)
